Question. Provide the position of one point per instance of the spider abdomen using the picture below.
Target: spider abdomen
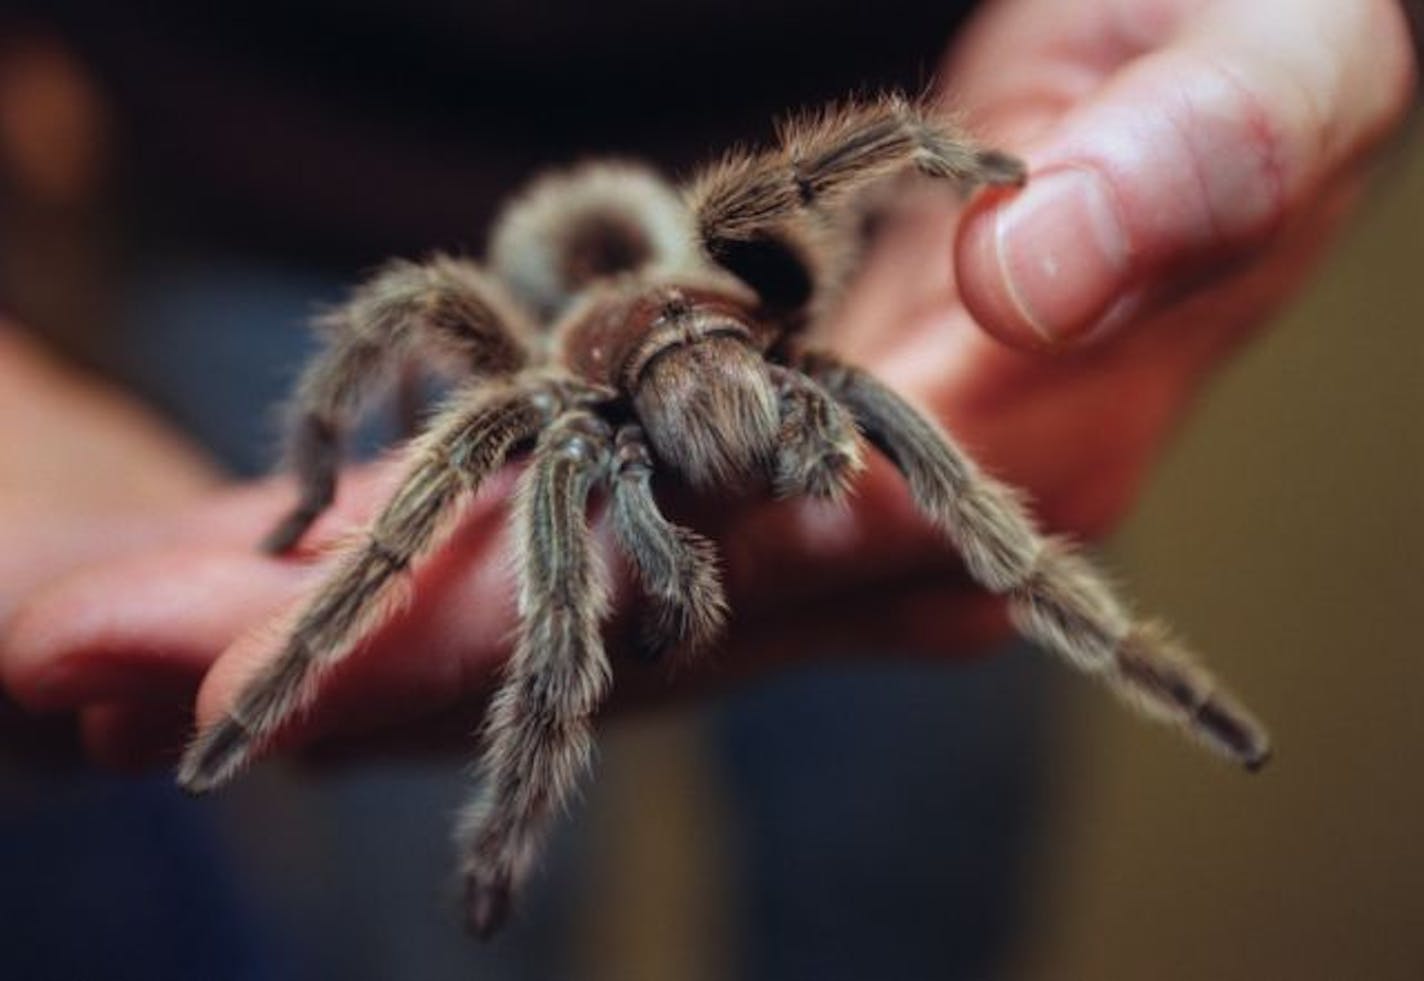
(574, 228)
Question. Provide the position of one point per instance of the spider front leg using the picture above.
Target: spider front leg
(538, 734)
(464, 446)
(1055, 597)
(445, 310)
(676, 566)
(763, 215)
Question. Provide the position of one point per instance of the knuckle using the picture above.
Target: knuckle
(1247, 144)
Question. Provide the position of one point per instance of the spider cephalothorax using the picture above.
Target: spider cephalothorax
(625, 326)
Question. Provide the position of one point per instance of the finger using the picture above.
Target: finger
(242, 514)
(439, 648)
(155, 621)
(138, 627)
(129, 643)
(62, 427)
(45, 541)
(139, 630)
(1020, 64)
(1190, 154)
(441, 653)
(929, 617)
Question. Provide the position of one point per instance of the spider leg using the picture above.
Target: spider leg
(752, 210)
(466, 444)
(817, 449)
(445, 310)
(538, 738)
(676, 566)
(1055, 597)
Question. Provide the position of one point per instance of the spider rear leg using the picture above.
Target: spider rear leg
(444, 311)
(817, 448)
(1055, 597)
(465, 445)
(764, 216)
(676, 566)
(538, 734)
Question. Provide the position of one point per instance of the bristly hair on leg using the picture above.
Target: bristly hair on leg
(538, 735)
(817, 446)
(677, 567)
(634, 324)
(444, 313)
(1055, 596)
(770, 217)
(466, 445)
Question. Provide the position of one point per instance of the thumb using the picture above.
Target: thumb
(1188, 157)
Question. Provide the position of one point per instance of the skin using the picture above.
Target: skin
(1189, 163)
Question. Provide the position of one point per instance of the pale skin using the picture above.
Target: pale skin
(1189, 162)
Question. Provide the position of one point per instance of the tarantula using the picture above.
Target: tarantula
(625, 326)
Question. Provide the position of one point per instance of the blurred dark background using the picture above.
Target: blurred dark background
(180, 188)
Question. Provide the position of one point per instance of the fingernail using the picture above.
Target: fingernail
(1045, 267)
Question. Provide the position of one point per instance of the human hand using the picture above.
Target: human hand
(1230, 143)
(85, 475)
(1174, 145)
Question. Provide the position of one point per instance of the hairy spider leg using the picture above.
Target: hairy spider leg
(817, 446)
(676, 567)
(614, 264)
(760, 215)
(467, 443)
(1055, 596)
(538, 734)
(444, 311)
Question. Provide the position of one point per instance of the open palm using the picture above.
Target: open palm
(1189, 161)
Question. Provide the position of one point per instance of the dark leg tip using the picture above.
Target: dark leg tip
(193, 780)
(281, 539)
(213, 757)
(1234, 732)
(486, 907)
(288, 532)
(1255, 763)
(1001, 169)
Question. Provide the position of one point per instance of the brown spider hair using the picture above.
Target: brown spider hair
(628, 326)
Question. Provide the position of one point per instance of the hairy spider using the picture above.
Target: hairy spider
(624, 326)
